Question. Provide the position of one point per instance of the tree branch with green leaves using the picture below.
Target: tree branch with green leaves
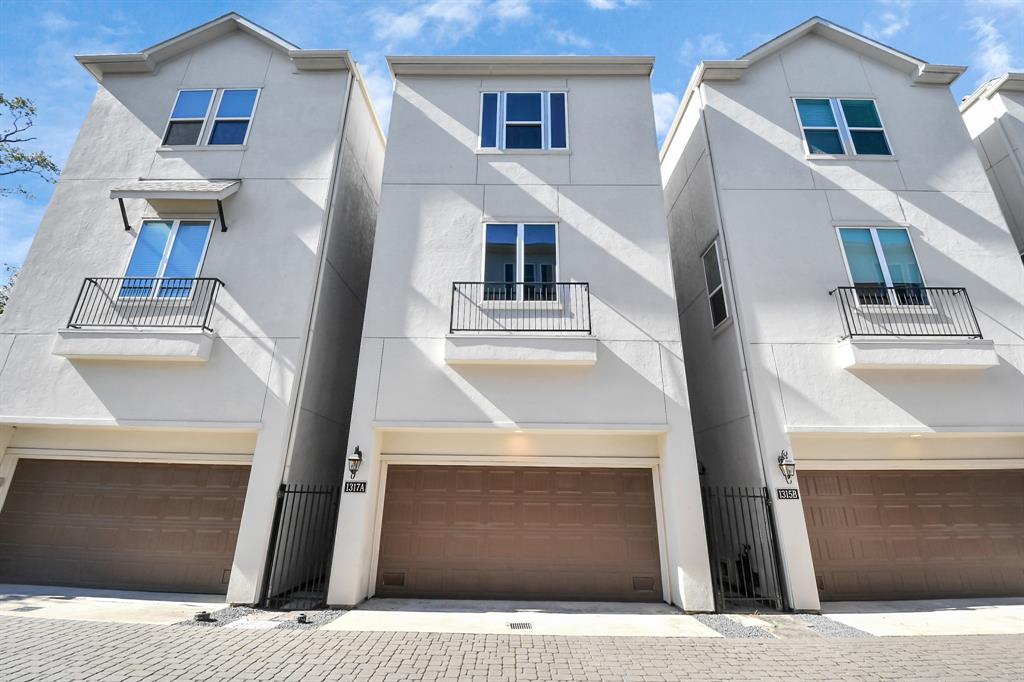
(17, 116)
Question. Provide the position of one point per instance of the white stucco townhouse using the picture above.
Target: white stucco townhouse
(994, 114)
(521, 425)
(851, 299)
(208, 242)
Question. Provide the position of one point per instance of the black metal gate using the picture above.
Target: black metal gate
(299, 559)
(742, 548)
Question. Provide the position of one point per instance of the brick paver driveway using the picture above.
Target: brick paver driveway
(37, 649)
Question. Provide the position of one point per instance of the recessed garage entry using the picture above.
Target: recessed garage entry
(122, 525)
(479, 532)
(915, 534)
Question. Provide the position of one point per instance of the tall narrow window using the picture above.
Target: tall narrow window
(187, 118)
(883, 266)
(168, 255)
(523, 120)
(842, 126)
(520, 262)
(716, 290)
(234, 112)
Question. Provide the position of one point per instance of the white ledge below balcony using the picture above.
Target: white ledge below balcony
(916, 353)
(520, 349)
(187, 345)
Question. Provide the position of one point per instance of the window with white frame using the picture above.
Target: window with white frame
(842, 126)
(520, 261)
(716, 289)
(523, 120)
(220, 117)
(168, 255)
(882, 265)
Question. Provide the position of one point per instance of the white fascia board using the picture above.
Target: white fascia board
(519, 65)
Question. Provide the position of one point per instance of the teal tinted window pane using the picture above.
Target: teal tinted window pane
(899, 257)
(870, 142)
(815, 112)
(824, 141)
(192, 104)
(522, 137)
(236, 104)
(145, 261)
(522, 106)
(861, 257)
(489, 121)
(860, 113)
(229, 132)
(558, 120)
(712, 274)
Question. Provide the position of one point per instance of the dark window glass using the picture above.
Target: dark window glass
(558, 120)
(522, 137)
(522, 106)
(500, 262)
(816, 113)
(870, 142)
(192, 104)
(824, 141)
(228, 132)
(860, 113)
(186, 132)
(712, 275)
(489, 121)
(539, 261)
(718, 312)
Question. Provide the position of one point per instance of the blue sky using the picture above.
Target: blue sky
(38, 40)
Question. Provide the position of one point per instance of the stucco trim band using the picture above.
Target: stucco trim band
(105, 344)
(520, 350)
(915, 354)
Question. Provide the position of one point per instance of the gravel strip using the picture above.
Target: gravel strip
(221, 617)
(826, 627)
(727, 627)
(316, 619)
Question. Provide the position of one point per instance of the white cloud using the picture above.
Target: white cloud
(568, 38)
(993, 55)
(665, 106)
(439, 20)
(379, 85)
(707, 46)
(890, 21)
(611, 4)
(55, 22)
(511, 10)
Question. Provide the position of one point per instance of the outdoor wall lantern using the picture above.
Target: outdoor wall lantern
(354, 460)
(787, 466)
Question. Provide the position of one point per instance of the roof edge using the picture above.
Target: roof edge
(524, 65)
(1012, 81)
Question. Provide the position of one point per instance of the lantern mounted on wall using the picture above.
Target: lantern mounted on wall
(354, 460)
(787, 466)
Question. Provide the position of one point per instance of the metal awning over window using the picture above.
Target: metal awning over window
(184, 190)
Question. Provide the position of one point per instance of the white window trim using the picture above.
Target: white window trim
(720, 287)
(521, 256)
(843, 128)
(501, 124)
(209, 118)
(880, 255)
(175, 222)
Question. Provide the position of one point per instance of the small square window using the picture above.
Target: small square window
(225, 115)
(842, 126)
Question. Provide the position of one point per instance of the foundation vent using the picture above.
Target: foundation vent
(520, 626)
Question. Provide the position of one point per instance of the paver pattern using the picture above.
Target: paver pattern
(38, 649)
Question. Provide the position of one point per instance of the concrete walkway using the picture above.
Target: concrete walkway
(931, 617)
(118, 606)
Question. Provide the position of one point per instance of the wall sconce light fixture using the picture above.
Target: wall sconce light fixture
(354, 460)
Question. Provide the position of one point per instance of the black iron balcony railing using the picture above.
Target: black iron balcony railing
(541, 307)
(906, 311)
(179, 302)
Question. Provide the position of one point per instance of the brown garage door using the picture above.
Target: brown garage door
(519, 533)
(915, 534)
(122, 525)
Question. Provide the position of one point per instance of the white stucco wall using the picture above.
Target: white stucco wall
(605, 195)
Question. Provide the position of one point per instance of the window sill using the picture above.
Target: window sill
(523, 152)
(849, 157)
(202, 148)
(721, 328)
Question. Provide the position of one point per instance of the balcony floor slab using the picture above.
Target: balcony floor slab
(184, 345)
(902, 353)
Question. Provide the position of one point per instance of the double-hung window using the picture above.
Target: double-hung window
(523, 120)
(212, 117)
(883, 266)
(167, 257)
(842, 126)
(520, 261)
(716, 290)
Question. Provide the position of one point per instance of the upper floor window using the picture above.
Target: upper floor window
(882, 265)
(520, 261)
(842, 126)
(168, 255)
(716, 289)
(523, 120)
(219, 116)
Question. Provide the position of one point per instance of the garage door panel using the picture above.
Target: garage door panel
(932, 534)
(524, 532)
(121, 525)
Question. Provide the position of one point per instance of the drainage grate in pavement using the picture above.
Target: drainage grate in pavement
(520, 626)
